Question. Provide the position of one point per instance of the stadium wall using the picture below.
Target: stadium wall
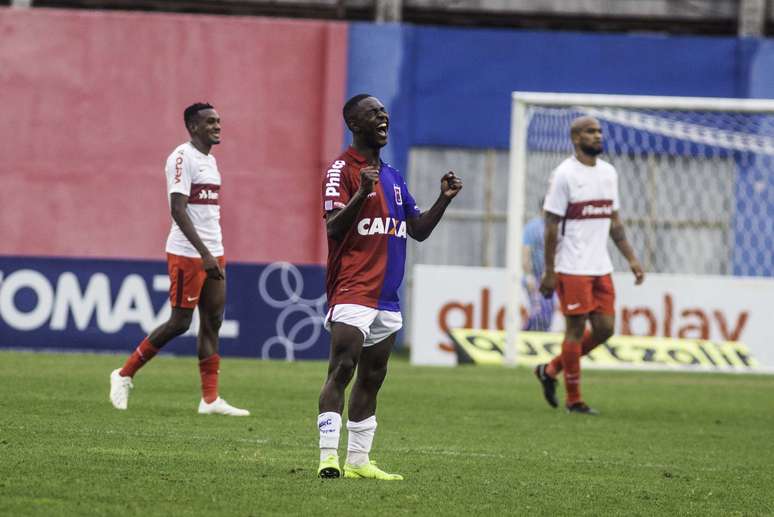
(97, 107)
(451, 87)
(97, 101)
(93, 106)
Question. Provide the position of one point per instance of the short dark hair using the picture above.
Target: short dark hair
(191, 111)
(351, 104)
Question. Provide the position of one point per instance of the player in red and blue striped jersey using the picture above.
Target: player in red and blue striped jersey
(369, 215)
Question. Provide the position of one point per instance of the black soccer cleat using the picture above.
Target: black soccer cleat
(582, 409)
(329, 467)
(329, 473)
(548, 383)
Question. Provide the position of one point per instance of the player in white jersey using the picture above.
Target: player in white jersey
(581, 209)
(195, 261)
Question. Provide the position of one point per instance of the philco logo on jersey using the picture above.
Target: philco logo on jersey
(382, 226)
(334, 178)
(178, 168)
(596, 211)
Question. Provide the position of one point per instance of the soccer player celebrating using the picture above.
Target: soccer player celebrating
(583, 197)
(195, 262)
(369, 212)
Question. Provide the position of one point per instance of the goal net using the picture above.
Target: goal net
(695, 180)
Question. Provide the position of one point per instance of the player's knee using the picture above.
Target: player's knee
(213, 321)
(374, 378)
(343, 370)
(179, 325)
(603, 332)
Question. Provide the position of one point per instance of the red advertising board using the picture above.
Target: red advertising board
(92, 106)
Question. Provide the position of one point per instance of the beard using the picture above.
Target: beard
(591, 151)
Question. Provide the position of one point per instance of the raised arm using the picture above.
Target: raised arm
(548, 282)
(338, 222)
(420, 228)
(178, 203)
(618, 234)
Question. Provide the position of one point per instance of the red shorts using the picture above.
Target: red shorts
(584, 294)
(186, 278)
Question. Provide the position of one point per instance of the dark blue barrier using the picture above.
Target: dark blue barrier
(272, 311)
(452, 87)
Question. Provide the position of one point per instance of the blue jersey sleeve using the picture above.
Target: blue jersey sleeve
(409, 204)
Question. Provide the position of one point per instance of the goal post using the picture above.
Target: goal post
(695, 180)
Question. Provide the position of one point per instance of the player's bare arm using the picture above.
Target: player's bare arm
(420, 228)
(618, 234)
(339, 222)
(178, 203)
(548, 282)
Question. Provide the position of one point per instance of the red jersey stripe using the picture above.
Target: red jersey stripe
(204, 194)
(591, 209)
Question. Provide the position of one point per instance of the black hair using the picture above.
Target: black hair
(351, 104)
(191, 111)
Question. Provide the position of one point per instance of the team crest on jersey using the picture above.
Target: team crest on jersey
(398, 196)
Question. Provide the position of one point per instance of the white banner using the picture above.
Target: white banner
(678, 306)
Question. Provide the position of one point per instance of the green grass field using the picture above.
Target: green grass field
(470, 440)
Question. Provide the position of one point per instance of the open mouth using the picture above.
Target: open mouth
(381, 130)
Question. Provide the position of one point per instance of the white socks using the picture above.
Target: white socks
(361, 436)
(329, 424)
(360, 439)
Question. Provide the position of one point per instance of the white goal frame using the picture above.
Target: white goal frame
(518, 167)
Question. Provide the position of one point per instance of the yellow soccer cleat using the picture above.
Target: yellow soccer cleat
(329, 467)
(369, 471)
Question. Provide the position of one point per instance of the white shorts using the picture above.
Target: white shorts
(375, 325)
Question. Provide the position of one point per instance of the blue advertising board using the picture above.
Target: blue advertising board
(272, 310)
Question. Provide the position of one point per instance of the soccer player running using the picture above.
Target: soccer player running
(581, 209)
(195, 262)
(369, 212)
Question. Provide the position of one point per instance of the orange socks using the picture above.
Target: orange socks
(141, 355)
(571, 354)
(554, 368)
(208, 369)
